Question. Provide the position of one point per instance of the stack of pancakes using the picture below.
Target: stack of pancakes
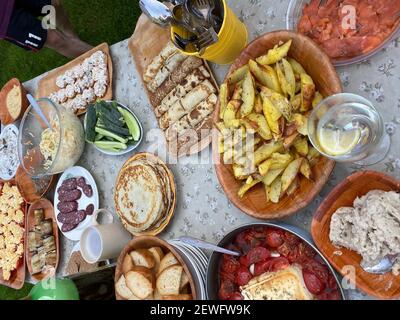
(145, 195)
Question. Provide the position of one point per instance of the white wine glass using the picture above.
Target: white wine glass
(347, 128)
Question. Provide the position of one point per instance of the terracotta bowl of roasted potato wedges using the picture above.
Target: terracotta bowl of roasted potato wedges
(263, 158)
(151, 269)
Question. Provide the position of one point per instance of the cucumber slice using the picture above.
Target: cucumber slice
(131, 122)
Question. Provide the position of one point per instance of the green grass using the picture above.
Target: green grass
(95, 21)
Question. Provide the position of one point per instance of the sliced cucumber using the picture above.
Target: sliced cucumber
(131, 122)
(111, 145)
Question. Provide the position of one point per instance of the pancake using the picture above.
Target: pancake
(139, 196)
(144, 196)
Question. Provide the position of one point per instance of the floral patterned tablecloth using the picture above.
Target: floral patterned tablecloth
(203, 210)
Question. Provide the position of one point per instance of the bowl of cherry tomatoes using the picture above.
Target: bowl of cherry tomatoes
(265, 249)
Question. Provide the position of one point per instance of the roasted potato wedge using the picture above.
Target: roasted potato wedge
(258, 105)
(238, 74)
(271, 176)
(246, 187)
(307, 92)
(265, 75)
(289, 140)
(306, 170)
(241, 173)
(290, 173)
(317, 99)
(271, 113)
(274, 191)
(266, 150)
(230, 120)
(290, 78)
(277, 161)
(276, 54)
(297, 67)
(223, 99)
(302, 123)
(301, 146)
(313, 156)
(238, 91)
(282, 104)
(293, 187)
(248, 95)
(261, 125)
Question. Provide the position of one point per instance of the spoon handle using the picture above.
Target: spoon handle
(206, 245)
(38, 110)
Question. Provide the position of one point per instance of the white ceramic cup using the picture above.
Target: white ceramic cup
(105, 240)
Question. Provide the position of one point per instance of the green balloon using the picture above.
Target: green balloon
(54, 289)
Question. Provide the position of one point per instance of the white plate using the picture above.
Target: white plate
(14, 129)
(83, 202)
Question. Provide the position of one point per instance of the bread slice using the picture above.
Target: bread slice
(167, 261)
(168, 282)
(127, 264)
(158, 254)
(184, 280)
(139, 283)
(157, 295)
(178, 297)
(142, 258)
(122, 289)
(286, 284)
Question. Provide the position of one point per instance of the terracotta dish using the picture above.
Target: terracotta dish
(385, 286)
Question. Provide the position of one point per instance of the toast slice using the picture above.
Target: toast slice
(158, 254)
(140, 283)
(178, 297)
(142, 258)
(184, 281)
(122, 289)
(168, 260)
(168, 282)
(127, 264)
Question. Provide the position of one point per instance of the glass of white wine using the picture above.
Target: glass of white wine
(347, 128)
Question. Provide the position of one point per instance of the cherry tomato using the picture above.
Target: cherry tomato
(243, 276)
(229, 264)
(274, 239)
(313, 284)
(279, 263)
(335, 295)
(227, 276)
(261, 267)
(332, 284)
(226, 289)
(258, 254)
(291, 239)
(319, 269)
(236, 296)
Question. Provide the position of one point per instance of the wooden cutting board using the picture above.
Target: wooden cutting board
(17, 278)
(146, 42)
(48, 210)
(47, 84)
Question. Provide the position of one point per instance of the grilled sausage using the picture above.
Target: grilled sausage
(87, 190)
(89, 209)
(66, 207)
(70, 195)
(70, 184)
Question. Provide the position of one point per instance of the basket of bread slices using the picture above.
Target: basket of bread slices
(151, 269)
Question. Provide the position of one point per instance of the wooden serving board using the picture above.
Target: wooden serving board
(17, 278)
(47, 84)
(319, 67)
(146, 43)
(385, 286)
(146, 242)
(30, 224)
